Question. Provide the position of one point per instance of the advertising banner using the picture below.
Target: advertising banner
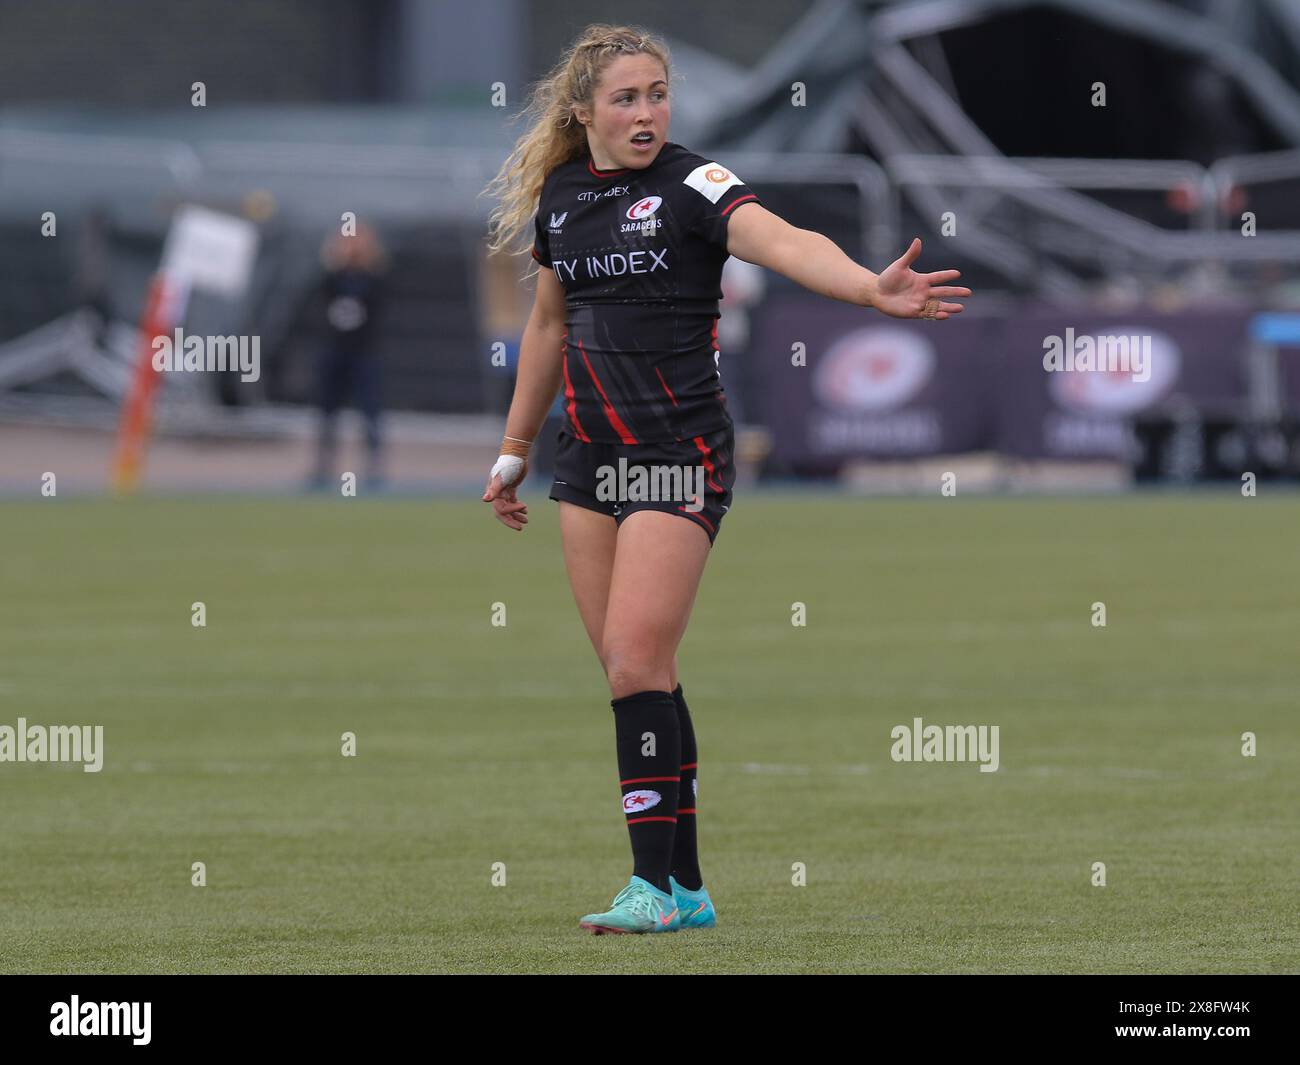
(840, 382)
(1071, 382)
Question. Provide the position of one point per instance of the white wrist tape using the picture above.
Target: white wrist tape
(509, 467)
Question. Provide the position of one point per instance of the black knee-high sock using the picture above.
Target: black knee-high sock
(686, 859)
(649, 760)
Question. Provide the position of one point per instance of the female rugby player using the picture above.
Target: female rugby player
(632, 231)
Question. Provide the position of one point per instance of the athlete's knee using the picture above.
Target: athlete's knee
(621, 685)
(631, 671)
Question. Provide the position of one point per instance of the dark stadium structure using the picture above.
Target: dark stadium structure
(983, 107)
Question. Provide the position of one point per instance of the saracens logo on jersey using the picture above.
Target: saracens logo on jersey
(643, 217)
(642, 799)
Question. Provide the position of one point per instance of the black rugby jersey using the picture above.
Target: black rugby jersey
(640, 255)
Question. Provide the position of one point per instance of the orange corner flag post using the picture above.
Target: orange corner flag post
(134, 426)
(205, 250)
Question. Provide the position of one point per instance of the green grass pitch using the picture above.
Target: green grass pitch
(480, 745)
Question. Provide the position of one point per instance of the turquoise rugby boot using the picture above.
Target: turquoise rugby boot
(639, 907)
(696, 907)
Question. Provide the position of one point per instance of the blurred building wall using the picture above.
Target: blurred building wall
(148, 53)
(742, 31)
(448, 52)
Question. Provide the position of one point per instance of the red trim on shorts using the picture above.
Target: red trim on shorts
(701, 520)
(708, 466)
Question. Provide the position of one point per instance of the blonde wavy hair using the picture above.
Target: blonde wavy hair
(554, 136)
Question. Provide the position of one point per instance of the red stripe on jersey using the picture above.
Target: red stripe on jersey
(737, 203)
(666, 388)
(714, 336)
(624, 433)
(571, 404)
(536, 256)
(708, 465)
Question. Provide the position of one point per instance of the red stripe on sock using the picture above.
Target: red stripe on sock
(638, 820)
(644, 780)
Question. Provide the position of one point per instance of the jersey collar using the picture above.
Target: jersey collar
(597, 172)
(592, 169)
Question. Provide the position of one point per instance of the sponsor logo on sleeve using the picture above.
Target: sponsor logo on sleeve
(711, 180)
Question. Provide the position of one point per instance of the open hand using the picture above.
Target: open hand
(903, 293)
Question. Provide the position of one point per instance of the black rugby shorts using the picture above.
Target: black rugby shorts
(588, 474)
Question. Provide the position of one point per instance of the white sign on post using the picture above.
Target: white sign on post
(210, 251)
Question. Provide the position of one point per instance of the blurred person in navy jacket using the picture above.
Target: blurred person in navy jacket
(349, 365)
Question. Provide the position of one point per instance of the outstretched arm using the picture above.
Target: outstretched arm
(814, 261)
